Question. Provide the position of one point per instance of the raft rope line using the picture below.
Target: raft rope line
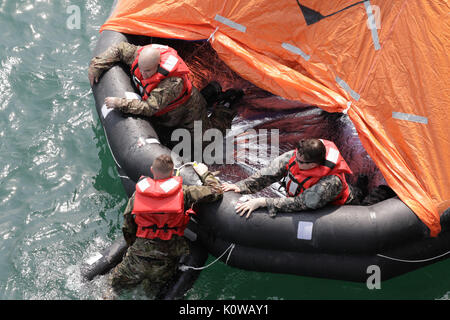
(184, 267)
(112, 153)
(211, 37)
(413, 261)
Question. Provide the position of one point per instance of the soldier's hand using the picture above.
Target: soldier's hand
(200, 168)
(112, 102)
(230, 187)
(250, 206)
(93, 78)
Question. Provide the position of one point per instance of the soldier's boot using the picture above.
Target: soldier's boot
(211, 92)
(229, 99)
(362, 184)
(221, 116)
(378, 194)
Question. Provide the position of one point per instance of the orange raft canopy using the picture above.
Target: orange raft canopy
(385, 63)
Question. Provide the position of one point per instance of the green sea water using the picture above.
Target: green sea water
(60, 196)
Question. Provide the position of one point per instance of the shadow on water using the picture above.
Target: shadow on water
(106, 181)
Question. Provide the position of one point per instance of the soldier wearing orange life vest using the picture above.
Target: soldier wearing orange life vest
(169, 65)
(159, 208)
(154, 223)
(298, 180)
(168, 96)
(313, 176)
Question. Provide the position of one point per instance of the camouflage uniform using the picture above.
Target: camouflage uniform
(155, 261)
(315, 197)
(168, 90)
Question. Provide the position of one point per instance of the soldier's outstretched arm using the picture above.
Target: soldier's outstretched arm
(315, 197)
(209, 192)
(122, 52)
(266, 176)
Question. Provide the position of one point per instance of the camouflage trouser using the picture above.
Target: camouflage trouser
(153, 262)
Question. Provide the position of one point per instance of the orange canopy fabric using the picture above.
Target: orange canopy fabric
(384, 62)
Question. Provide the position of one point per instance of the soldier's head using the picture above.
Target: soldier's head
(162, 167)
(148, 61)
(310, 153)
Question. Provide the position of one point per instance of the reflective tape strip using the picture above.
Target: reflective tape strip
(333, 155)
(106, 111)
(372, 25)
(142, 142)
(169, 185)
(159, 46)
(409, 117)
(143, 184)
(170, 63)
(152, 140)
(347, 88)
(292, 187)
(295, 50)
(132, 95)
(230, 23)
(305, 230)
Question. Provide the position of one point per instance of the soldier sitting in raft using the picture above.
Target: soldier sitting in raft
(154, 223)
(314, 175)
(168, 96)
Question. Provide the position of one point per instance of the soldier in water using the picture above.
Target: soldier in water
(154, 223)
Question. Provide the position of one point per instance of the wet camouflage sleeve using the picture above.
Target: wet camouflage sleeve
(129, 227)
(123, 52)
(266, 176)
(315, 197)
(209, 192)
(168, 90)
(323, 192)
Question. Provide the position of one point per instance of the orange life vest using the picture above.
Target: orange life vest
(298, 180)
(159, 208)
(171, 65)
